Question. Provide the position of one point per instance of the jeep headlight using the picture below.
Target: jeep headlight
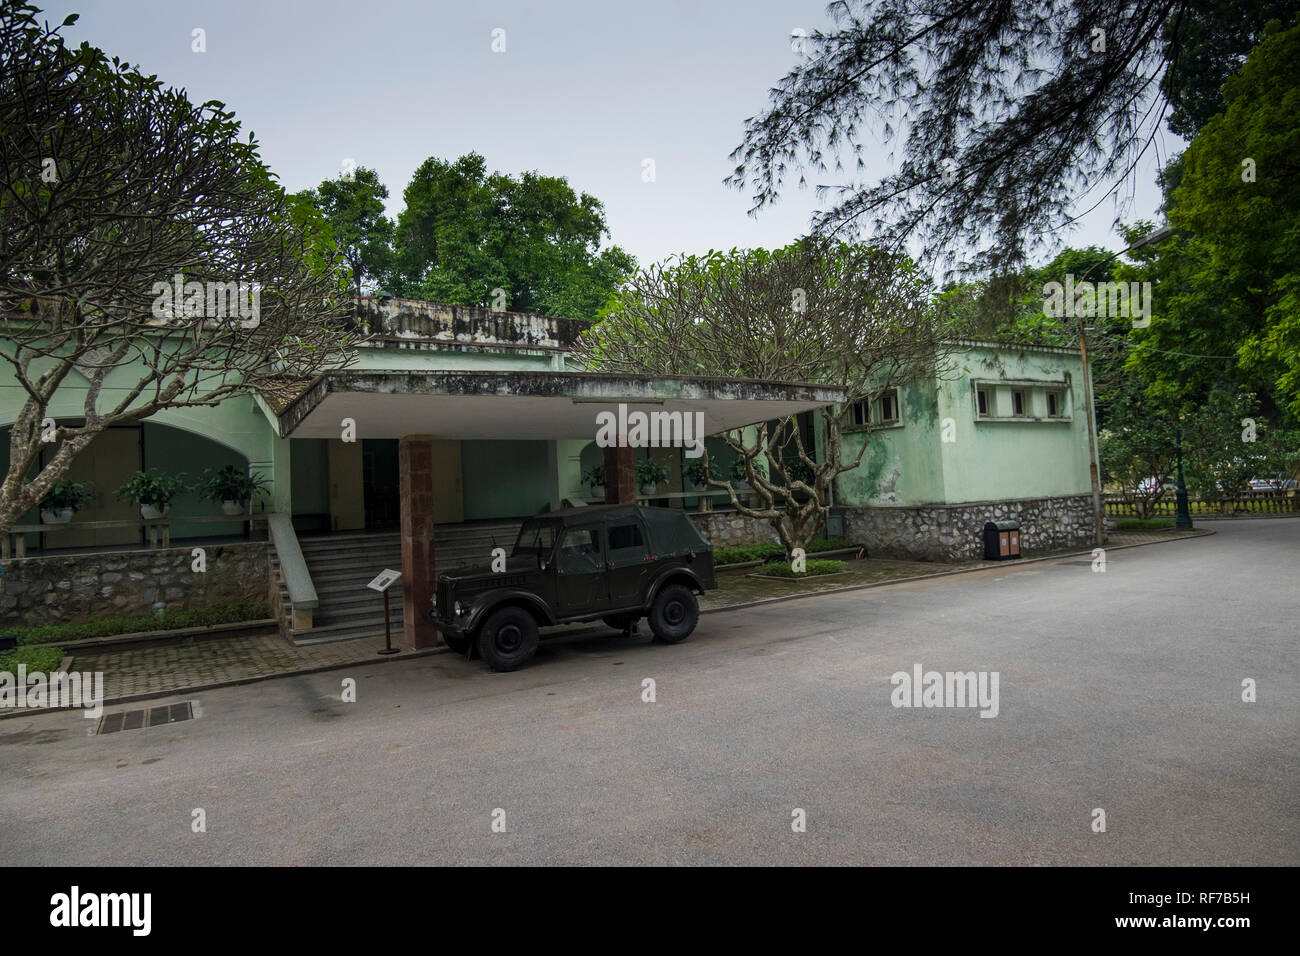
(459, 608)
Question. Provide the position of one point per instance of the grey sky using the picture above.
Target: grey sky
(583, 90)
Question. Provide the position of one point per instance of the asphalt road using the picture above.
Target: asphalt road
(1119, 690)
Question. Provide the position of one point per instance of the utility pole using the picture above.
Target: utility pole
(1098, 514)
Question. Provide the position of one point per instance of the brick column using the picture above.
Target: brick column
(415, 469)
(620, 477)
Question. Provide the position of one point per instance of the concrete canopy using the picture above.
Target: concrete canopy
(529, 405)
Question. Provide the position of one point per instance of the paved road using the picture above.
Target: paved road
(1119, 691)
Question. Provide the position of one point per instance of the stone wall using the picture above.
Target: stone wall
(729, 529)
(955, 532)
(66, 588)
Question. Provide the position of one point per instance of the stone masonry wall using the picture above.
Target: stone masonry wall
(728, 529)
(955, 532)
(66, 588)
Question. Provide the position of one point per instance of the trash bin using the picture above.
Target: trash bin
(1001, 540)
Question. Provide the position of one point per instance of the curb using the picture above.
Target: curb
(233, 629)
(429, 652)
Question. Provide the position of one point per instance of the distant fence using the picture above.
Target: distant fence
(1248, 502)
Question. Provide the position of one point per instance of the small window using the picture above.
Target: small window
(1053, 405)
(1017, 403)
(580, 551)
(860, 413)
(626, 545)
(982, 401)
(889, 407)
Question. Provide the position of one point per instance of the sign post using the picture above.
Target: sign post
(382, 582)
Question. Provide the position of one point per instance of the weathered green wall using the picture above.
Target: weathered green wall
(504, 479)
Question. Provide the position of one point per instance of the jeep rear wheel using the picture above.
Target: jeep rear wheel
(674, 614)
(508, 639)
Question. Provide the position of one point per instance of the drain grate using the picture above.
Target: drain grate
(148, 717)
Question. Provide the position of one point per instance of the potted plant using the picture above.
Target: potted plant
(594, 478)
(738, 473)
(63, 500)
(698, 471)
(648, 474)
(231, 486)
(153, 491)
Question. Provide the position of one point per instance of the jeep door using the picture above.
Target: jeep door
(581, 585)
(629, 562)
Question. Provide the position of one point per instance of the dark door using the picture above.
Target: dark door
(629, 562)
(581, 585)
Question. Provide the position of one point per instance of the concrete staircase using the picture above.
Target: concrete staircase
(341, 565)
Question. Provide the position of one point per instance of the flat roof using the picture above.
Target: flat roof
(528, 404)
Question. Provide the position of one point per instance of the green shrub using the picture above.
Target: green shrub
(43, 659)
(815, 568)
(130, 623)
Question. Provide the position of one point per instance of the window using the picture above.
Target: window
(1017, 402)
(580, 551)
(1053, 404)
(982, 401)
(626, 545)
(888, 404)
(861, 413)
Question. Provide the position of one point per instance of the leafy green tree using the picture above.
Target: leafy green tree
(465, 234)
(353, 205)
(1227, 284)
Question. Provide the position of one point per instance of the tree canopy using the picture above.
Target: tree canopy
(466, 233)
(1007, 118)
(144, 247)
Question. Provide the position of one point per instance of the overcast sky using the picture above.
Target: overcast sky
(584, 90)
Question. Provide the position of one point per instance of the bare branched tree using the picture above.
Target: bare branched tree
(147, 258)
(813, 312)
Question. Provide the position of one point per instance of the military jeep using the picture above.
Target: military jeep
(616, 563)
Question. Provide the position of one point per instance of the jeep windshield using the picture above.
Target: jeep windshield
(536, 538)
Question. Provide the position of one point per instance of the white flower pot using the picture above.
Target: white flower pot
(151, 513)
(647, 490)
(598, 491)
(700, 485)
(232, 508)
(62, 516)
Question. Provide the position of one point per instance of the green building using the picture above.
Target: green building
(455, 423)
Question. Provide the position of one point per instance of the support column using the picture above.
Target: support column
(620, 477)
(415, 471)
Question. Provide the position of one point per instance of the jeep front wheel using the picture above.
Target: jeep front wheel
(508, 639)
(674, 614)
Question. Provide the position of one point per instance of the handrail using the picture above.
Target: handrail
(297, 579)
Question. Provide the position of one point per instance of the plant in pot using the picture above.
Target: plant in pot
(737, 474)
(62, 502)
(698, 471)
(231, 486)
(649, 474)
(594, 479)
(153, 491)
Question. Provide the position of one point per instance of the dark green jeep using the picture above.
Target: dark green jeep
(618, 563)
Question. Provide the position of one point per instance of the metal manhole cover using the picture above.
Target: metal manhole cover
(147, 717)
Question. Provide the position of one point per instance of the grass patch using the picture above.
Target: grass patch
(112, 624)
(779, 570)
(43, 659)
(1143, 524)
(769, 552)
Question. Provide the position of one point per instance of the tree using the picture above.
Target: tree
(1007, 114)
(1227, 284)
(353, 205)
(143, 247)
(835, 314)
(526, 243)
